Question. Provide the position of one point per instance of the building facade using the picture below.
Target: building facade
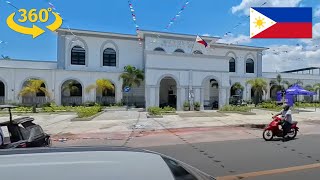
(176, 69)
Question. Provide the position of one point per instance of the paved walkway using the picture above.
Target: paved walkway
(119, 125)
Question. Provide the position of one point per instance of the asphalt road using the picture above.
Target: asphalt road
(261, 160)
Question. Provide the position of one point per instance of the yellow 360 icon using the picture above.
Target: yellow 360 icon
(33, 16)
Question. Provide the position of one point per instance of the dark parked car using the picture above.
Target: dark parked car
(22, 132)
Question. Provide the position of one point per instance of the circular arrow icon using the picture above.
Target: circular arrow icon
(35, 31)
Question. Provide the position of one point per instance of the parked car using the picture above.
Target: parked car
(94, 163)
(22, 132)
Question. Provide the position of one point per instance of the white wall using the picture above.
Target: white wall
(14, 79)
(129, 52)
(189, 62)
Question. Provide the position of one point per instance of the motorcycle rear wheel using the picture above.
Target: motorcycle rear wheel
(267, 135)
(292, 133)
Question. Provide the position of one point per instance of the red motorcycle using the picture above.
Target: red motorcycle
(274, 130)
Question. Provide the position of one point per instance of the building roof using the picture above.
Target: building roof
(90, 32)
(143, 33)
(176, 35)
(302, 69)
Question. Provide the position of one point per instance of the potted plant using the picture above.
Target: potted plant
(197, 106)
(186, 106)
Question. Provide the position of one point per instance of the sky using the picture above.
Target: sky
(224, 18)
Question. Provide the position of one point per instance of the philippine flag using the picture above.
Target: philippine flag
(201, 41)
(284, 22)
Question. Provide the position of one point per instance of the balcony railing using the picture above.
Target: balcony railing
(138, 101)
(71, 101)
(34, 100)
(2, 100)
(104, 100)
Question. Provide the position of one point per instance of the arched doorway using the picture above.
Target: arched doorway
(168, 92)
(2, 93)
(29, 97)
(71, 93)
(106, 97)
(211, 94)
(236, 94)
(273, 93)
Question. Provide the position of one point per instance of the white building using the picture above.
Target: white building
(175, 67)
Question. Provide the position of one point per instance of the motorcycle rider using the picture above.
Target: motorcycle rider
(286, 116)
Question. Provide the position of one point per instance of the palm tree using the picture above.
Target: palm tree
(101, 85)
(298, 82)
(70, 86)
(237, 86)
(33, 87)
(279, 83)
(317, 89)
(259, 86)
(132, 76)
(5, 57)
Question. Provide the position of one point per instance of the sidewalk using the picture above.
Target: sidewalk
(120, 124)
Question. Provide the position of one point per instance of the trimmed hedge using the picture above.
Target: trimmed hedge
(159, 111)
(87, 111)
(230, 108)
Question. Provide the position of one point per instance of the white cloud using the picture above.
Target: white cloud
(316, 31)
(206, 34)
(317, 12)
(288, 57)
(245, 5)
(232, 39)
(315, 36)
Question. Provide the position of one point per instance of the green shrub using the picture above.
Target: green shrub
(186, 104)
(154, 110)
(23, 109)
(54, 108)
(87, 111)
(304, 104)
(197, 104)
(168, 109)
(90, 104)
(230, 108)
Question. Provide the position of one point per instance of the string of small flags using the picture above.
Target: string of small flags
(9, 3)
(173, 20)
(134, 18)
(52, 6)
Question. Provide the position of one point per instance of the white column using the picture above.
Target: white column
(202, 98)
(227, 94)
(152, 97)
(147, 97)
(157, 96)
(197, 95)
(268, 93)
(182, 95)
(222, 96)
(179, 99)
(119, 94)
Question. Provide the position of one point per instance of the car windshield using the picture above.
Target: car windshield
(186, 89)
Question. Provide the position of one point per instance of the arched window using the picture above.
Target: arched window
(249, 66)
(179, 51)
(78, 56)
(159, 49)
(109, 57)
(197, 52)
(232, 65)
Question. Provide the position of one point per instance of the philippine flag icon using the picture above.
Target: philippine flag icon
(283, 22)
